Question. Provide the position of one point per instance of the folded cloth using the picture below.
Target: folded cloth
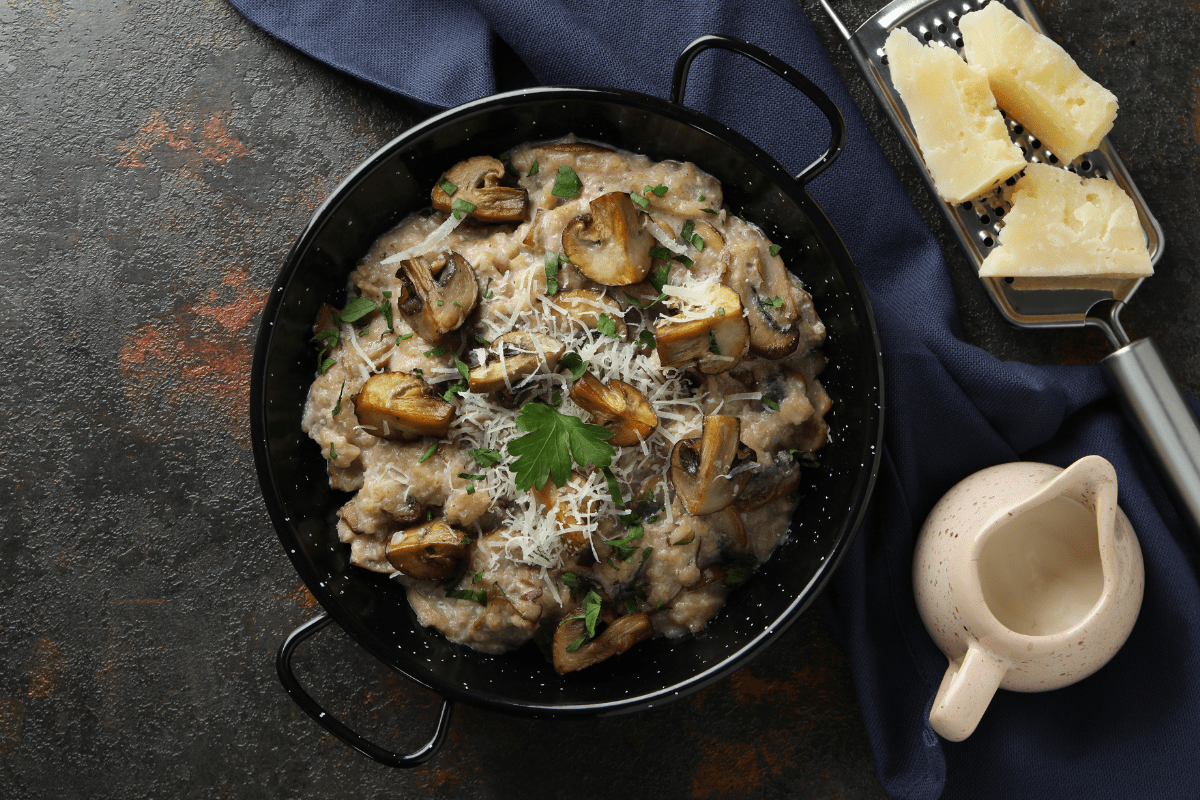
(1128, 730)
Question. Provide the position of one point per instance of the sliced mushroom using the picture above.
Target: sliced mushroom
(620, 635)
(530, 239)
(766, 291)
(405, 512)
(778, 479)
(617, 406)
(730, 529)
(714, 344)
(713, 240)
(585, 307)
(428, 552)
(570, 148)
(523, 354)
(438, 291)
(396, 405)
(709, 472)
(478, 181)
(609, 245)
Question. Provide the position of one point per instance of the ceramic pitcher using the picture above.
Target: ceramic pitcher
(1029, 577)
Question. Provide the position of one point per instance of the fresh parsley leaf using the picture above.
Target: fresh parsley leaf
(774, 249)
(646, 339)
(478, 595)
(418, 372)
(590, 613)
(689, 541)
(567, 183)
(556, 399)
(771, 404)
(482, 341)
(573, 582)
(428, 452)
(551, 274)
(709, 211)
(689, 228)
(562, 258)
(697, 242)
(460, 207)
(575, 363)
(640, 201)
(630, 605)
(774, 302)
(740, 569)
(337, 409)
(462, 368)
(454, 389)
(614, 491)
(485, 456)
(487, 290)
(625, 547)
(470, 488)
(403, 337)
(385, 308)
(437, 352)
(660, 252)
(356, 309)
(660, 190)
(329, 342)
(633, 301)
(447, 187)
(720, 311)
(659, 278)
(687, 262)
(332, 452)
(476, 577)
(553, 440)
(496, 585)
(324, 366)
(607, 325)
(701, 198)
(386, 294)
(468, 476)
(712, 342)
(363, 332)
(534, 170)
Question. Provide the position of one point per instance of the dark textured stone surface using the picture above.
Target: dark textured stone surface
(158, 160)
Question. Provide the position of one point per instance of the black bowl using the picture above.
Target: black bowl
(396, 180)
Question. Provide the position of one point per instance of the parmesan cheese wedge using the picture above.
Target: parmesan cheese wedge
(1062, 225)
(961, 134)
(1037, 83)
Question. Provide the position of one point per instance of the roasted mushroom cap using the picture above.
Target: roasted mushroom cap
(620, 635)
(513, 356)
(710, 471)
(428, 552)
(570, 148)
(585, 307)
(715, 344)
(396, 405)
(477, 180)
(778, 479)
(438, 292)
(609, 245)
(766, 291)
(617, 406)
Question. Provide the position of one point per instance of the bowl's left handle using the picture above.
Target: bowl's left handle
(837, 124)
(283, 664)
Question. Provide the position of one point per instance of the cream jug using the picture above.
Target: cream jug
(1029, 577)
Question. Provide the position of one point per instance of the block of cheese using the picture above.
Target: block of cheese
(960, 131)
(1037, 83)
(1062, 225)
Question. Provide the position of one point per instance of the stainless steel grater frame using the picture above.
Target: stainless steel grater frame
(1136, 372)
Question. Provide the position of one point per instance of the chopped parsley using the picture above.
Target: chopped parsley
(646, 339)
(566, 183)
(702, 198)
(660, 252)
(624, 548)
(641, 202)
(712, 342)
(356, 309)
(329, 342)
(487, 290)
(774, 302)
(460, 207)
(482, 341)
(573, 582)
(337, 409)
(805, 459)
(485, 456)
(607, 325)
(590, 614)
(697, 242)
(437, 352)
(659, 278)
(428, 452)
(454, 389)
(774, 249)
(709, 211)
(720, 312)
(739, 570)
(470, 488)
(614, 491)
(575, 364)
(332, 452)
(660, 190)
(553, 440)
(534, 170)
(687, 262)
(771, 404)
(469, 477)
(446, 186)
(462, 368)
(478, 595)
(689, 541)
(689, 228)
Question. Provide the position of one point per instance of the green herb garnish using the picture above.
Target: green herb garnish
(614, 491)
(659, 190)
(460, 207)
(332, 452)
(428, 452)
(484, 456)
(712, 342)
(551, 274)
(641, 202)
(446, 186)
(469, 477)
(403, 337)
(774, 249)
(337, 409)
(660, 252)
(774, 302)
(624, 548)
(534, 170)
(478, 595)
(646, 339)
(709, 211)
(566, 183)
(771, 404)
(607, 325)
(356, 309)
(552, 441)
(575, 364)
(437, 352)
(487, 291)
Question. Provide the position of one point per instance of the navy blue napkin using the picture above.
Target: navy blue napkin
(1129, 730)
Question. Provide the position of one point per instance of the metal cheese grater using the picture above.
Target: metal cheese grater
(1136, 371)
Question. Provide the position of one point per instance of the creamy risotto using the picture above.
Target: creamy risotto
(572, 401)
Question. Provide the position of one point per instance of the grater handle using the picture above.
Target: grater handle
(837, 123)
(1158, 409)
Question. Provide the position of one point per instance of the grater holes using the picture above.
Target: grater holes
(967, 206)
(927, 35)
(941, 27)
(987, 240)
(1036, 142)
(984, 219)
(1085, 165)
(999, 212)
(1053, 159)
(883, 60)
(958, 42)
(1009, 281)
(1018, 129)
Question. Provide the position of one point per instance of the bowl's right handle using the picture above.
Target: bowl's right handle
(837, 124)
(283, 664)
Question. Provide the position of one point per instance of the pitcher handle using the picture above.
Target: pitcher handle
(967, 688)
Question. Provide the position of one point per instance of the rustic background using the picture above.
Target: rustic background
(157, 161)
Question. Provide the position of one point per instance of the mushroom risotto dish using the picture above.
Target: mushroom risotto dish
(572, 400)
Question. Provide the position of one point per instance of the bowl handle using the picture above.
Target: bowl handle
(837, 124)
(283, 664)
